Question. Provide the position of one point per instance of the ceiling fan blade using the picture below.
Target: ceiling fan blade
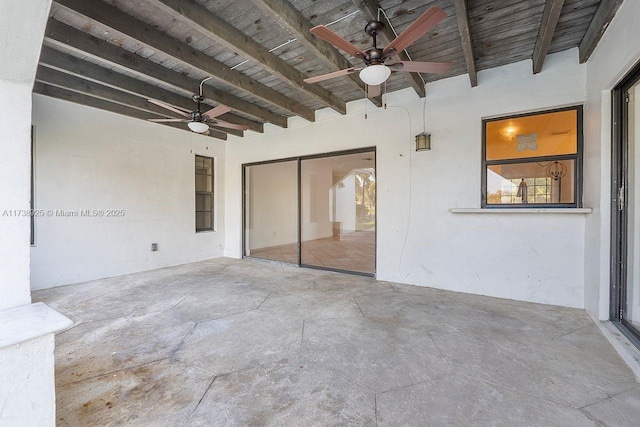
(333, 75)
(217, 111)
(421, 67)
(169, 107)
(424, 23)
(329, 36)
(167, 120)
(223, 124)
(373, 91)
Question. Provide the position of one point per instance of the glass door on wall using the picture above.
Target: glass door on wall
(314, 211)
(626, 209)
(271, 211)
(338, 212)
(631, 310)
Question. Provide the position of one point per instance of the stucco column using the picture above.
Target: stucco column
(22, 25)
(27, 393)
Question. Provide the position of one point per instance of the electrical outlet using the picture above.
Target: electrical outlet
(154, 247)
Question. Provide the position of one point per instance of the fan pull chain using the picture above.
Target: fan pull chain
(365, 103)
(385, 95)
(366, 95)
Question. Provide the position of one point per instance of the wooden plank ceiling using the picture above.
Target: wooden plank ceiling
(116, 54)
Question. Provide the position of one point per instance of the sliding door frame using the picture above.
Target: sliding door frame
(619, 208)
(244, 200)
(299, 161)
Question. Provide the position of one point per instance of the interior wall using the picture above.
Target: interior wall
(612, 59)
(88, 159)
(272, 204)
(533, 257)
(316, 179)
(345, 204)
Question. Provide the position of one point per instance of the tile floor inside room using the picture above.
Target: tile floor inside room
(351, 251)
(247, 342)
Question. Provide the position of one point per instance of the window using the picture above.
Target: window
(533, 160)
(204, 193)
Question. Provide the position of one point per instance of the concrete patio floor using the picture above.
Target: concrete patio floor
(231, 342)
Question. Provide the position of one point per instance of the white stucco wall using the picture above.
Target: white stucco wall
(19, 51)
(532, 257)
(612, 59)
(90, 159)
(27, 392)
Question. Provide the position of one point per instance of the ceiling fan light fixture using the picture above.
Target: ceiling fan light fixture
(375, 75)
(198, 127)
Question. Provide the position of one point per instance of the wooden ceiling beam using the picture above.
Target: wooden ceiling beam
(550, 17)
(78, 84)
(370, 10)
(462, 15)
(101, 104)
(62, 80)
(72, 65)
(150, 36)
(603, 16)
(206, 22)
(283, 12)
(63, 35)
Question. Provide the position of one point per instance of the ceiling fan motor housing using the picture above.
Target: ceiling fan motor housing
(375, 55)
(196, 116)
(373, 28)
(376, 71)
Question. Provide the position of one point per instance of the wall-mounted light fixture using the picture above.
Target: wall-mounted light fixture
(423, 142)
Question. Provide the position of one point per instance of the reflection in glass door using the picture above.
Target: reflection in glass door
(625, 295)
(271, 211)
(338, 212)
(314, 211)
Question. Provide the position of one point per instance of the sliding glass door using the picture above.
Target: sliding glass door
(271, 211)
(625, 260)
(338, 200)
(314, 211)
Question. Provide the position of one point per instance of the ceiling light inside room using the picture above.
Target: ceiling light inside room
(374, 75)
(198, 127)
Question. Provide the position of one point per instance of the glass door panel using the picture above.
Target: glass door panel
(631, 308)
(271, 211)
(338, 212)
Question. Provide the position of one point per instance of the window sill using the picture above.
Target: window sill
(575, 211)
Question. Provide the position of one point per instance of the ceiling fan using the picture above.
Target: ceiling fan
(198, 121)
(375, 71)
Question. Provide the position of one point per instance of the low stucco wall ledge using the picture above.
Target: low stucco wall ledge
(580, 211)
(27, 322)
